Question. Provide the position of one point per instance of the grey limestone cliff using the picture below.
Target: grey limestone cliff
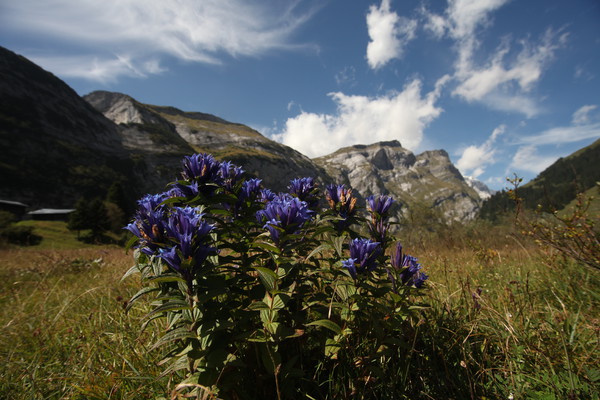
(162, 129)
(429, 178)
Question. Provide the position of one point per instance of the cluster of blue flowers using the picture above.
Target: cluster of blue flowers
(284, 214)
(363, 256)
(180, 236)
(410, 269)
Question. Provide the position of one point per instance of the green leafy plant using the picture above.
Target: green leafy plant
(266, 295)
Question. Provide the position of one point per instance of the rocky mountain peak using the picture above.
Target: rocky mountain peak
(121, 108)
(388, 168)
(481, 188)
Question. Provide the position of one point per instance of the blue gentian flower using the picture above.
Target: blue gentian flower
(267, 195)
(363, 256)
(182, 190)
(284, 214)
(189, 232)
(378, 231)
(410, 269)
(203, 169)
(230, 174)
(305, 189)
(149, 223)
(251, 188)
(379, 205)
(341, 200)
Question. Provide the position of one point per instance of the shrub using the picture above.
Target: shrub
(19, 235)
(15, 234)
(266, 295)
(573, 233)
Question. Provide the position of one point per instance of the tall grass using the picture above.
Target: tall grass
(506, 319)
(64, 332)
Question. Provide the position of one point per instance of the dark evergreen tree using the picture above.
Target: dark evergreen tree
(89, 214)
(78, 218)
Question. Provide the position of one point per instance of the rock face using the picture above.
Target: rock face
(159, 129)
(429, 178)
(481, 188)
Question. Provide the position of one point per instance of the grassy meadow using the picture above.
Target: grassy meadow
(507, 319)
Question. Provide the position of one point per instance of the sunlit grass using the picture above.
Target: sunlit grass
(55, 235)
(64, 331)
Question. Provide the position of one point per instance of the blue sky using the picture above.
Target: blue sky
(505, 86)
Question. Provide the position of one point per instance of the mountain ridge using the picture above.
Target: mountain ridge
(81, 145)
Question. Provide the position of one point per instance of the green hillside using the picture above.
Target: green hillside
(555, 187)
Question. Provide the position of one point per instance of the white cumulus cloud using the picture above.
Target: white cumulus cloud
(389, 34)
(141, 31)
(359, 119)
(502, 82)
(474, 159)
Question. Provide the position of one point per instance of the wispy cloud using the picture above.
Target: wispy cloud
(101, 69)
(504, 83)
(139, 30)
(528, 159)
(360, 119)
(346, 76)
(586, 114)
(389, 34)
(474, 159)
(563, 134)
(505, 78)
(465, 16)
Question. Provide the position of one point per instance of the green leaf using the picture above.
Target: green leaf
(318, 250)
(279, 301)
(175, 334)
(266, 246)
(267, 277)
(130, 272)
(258, 305)
(345, 290)
(169, 277)
(326, 323)
(132, 240)
(331, 347)
(338, 242)
(266, 316)
(140, 293)
(179, 364)
(272, 327)
(174, 305)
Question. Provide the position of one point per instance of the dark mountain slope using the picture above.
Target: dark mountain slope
(555, 187)
(57, 148)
